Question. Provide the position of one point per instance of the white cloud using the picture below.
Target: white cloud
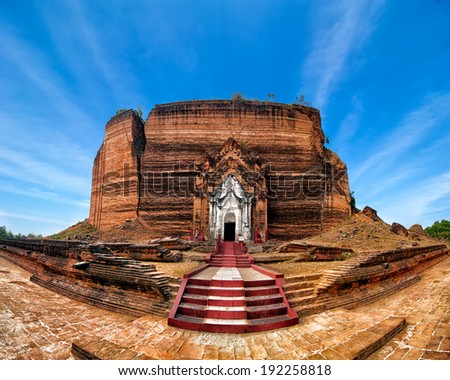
(405, 175)
(92, 49)
(349, 125)
(34, 66)
(425, 203)
(91, 38)
(50, 196)
(32, 218)
(412, 130)
(341, 29)
(30, 135)
(25, 167)
(390, 181)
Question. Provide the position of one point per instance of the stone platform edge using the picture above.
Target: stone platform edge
(357, 347)
(364, 343)
(96, 348)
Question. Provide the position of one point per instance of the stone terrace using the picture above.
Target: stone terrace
(36, 323)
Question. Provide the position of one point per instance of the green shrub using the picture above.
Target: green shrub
(440, 230)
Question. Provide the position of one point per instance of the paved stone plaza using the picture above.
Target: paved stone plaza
(36, 323)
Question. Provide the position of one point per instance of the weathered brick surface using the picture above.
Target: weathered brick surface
(115, 175)
(38, 324)
(366, 278)
(307, 184)
(103, 279)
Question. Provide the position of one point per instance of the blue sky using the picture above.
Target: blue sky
(379, 71)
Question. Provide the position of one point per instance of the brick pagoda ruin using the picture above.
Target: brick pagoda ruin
(241, 170)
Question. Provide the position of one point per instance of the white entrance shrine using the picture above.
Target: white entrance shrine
(230, 210)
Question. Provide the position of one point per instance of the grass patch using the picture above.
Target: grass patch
(295, 269)
(79, 231)
(177, 269)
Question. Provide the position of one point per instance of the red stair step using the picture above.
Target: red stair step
(227, 283)
(265, 324)
(226, 312)
(226, 301)
(227, 292)
(264, 300)
(197, 289)
(215, 290)
(214, 300)
(259, 283)
(216, 312)
(232, 305)
(266, 311)
(195, 298)
(261, 291)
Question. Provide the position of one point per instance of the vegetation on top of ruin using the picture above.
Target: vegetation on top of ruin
(79, 231)
(301, 101)
(137, 112)
(238, 97)
(270, 97)
(362, 233)
(120, 110)
(353, 202)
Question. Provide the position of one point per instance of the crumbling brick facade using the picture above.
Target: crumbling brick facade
(165, 171)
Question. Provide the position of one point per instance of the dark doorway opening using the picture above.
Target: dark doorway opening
(230, 231)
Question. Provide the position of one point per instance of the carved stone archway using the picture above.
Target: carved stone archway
(229, 226)
(230, 204)
(231, 181)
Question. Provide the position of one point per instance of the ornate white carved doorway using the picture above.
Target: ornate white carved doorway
(230, 211)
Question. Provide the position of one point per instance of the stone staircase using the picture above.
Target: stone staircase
(230, 255)
(300, 289)
(119, 284)
(374, 267)
(361, 280)
(230, 295)
(300, 292)
(120, 301)
(109, 269)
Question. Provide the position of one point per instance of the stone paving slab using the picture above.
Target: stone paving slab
(230, 273)
(426, 307)
(36, 323)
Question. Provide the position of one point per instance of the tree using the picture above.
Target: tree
(237, 97)
(440, 230)
(301, 100)
(120, 110)
(4, 234)
(271, 97)
(352, 201)
(139, 111)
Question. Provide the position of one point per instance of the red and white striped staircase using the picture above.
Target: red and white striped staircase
(230, 294)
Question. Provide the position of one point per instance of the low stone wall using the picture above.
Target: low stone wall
(369, 277)
(373, 267)
(98, 275)
(312, 252)
(93, 274)
(141, 252)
